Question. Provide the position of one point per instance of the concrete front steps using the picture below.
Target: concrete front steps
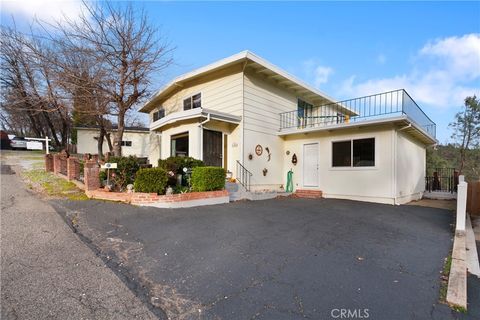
(238, 192)
(309, 194)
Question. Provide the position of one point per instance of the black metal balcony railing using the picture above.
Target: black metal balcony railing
(377, 106)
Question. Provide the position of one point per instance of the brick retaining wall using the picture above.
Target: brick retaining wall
(165, 201)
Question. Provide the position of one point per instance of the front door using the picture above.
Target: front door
(310, 165)
(212, 148)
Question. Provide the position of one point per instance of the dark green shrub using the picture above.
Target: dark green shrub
(127, 167)
(151, 180)
(208, 178)
(176, 165)
(102, 176)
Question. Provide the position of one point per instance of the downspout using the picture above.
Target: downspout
(243, 113)
(395, 139)
(201, 135)
(395, 134)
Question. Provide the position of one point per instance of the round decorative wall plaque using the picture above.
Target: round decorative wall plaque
(258, 150)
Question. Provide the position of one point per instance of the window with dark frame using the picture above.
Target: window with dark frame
(341, 154)
(179, 145)
(364, 152)
(193, 102)
(159, 114)
(126, 143)
(354, 153)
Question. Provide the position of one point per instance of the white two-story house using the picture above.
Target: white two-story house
(259, 122)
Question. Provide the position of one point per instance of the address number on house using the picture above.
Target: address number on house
(109, 165)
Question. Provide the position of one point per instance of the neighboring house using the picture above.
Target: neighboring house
(135, 142)
(258, 122)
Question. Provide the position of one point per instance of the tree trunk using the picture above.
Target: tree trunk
(118, 135)
(109, 141)
(462, 161)
(51, 127)
(100, 143)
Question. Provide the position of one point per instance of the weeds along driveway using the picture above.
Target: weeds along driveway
(276, 259)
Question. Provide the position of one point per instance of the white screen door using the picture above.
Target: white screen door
(310, 165)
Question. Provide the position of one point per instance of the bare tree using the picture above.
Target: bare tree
(121, 42)
(29, 90)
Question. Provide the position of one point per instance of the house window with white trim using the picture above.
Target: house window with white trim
(354, 153)
(193, 102)
(159, 114)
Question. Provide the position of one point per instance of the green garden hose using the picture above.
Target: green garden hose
(289, 181)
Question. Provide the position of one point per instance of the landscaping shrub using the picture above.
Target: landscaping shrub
(208, 178)
(176, 165)
(127, 167)
(151, 180)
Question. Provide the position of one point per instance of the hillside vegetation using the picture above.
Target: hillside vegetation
(448, 156)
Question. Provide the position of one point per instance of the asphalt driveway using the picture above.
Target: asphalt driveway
(275, 259)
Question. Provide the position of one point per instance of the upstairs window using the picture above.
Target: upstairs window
(159, 114)
(354, 153)
(193, 102)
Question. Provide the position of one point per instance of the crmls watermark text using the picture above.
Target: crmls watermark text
(350, 313)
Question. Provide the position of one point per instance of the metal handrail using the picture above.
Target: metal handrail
(243, 176)
(376, 106)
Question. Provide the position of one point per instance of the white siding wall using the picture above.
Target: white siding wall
(222, 93)
(155, 148)
(365, 184)
(86, 143)
(263, 103)
(193, 131)
(410, 168)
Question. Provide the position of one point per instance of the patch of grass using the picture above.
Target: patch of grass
(445, 274)
(54, 186)
(459, 309)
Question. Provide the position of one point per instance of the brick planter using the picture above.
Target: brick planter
(49, 163)
(73, 169)
(91, 172)
(182, 200)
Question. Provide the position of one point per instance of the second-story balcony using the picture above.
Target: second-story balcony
(378, 107)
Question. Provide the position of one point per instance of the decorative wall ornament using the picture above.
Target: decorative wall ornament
(250, 156)
(288, 152)
(265, 172)
(258, 150)
(269, 154)
(294, 159)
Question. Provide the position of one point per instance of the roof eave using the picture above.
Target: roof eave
(226, 62)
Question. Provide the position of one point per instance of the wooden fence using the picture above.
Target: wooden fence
(473, 198)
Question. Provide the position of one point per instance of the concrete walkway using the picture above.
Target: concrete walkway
(47, 272)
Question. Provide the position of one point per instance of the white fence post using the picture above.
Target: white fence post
(461, 203)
